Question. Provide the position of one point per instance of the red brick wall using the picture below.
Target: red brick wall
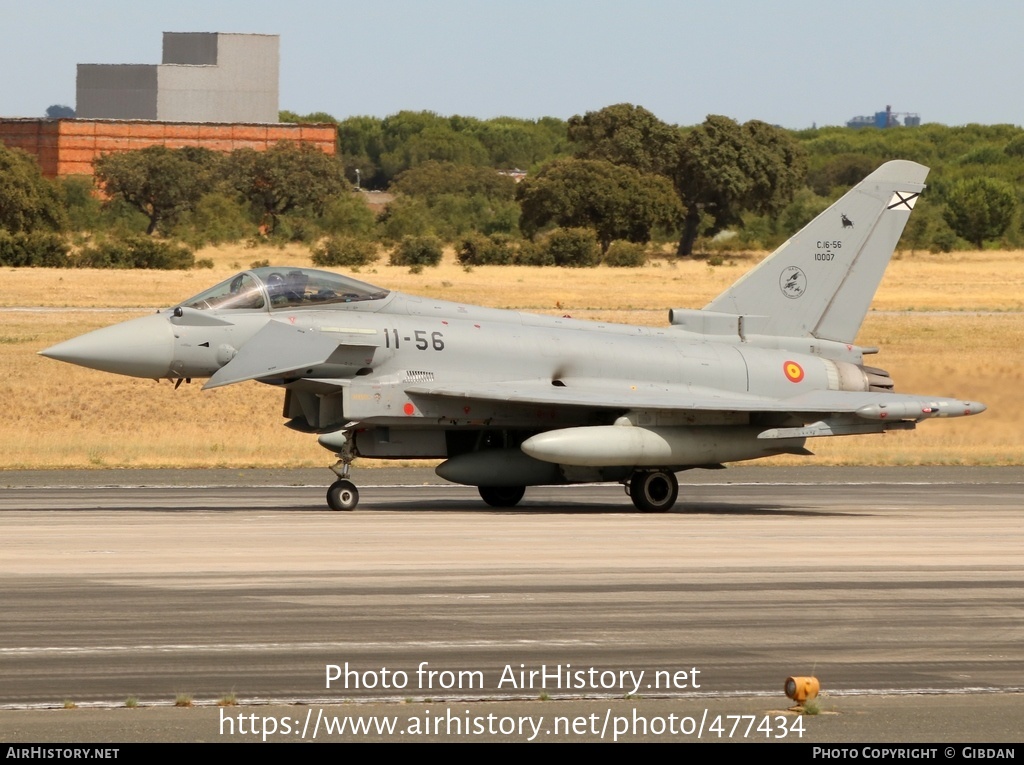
(69, 146)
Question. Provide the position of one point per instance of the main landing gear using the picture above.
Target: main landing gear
(653, 491)
(502, 496)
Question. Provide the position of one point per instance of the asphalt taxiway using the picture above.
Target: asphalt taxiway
(159, 585)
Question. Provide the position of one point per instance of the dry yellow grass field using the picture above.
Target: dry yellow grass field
(964, 281)
(949, 325)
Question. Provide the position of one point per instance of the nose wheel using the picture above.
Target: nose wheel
(342, 495)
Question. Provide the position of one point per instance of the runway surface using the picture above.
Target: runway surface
(161, 584)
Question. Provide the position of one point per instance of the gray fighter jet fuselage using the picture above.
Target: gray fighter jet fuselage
(510, 399)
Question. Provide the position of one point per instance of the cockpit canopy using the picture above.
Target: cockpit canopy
(274, 288)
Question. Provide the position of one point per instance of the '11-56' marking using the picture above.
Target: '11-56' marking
(423, 342)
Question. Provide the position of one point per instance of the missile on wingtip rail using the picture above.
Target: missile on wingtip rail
(920, 410)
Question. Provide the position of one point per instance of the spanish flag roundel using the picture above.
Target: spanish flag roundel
(793, 371)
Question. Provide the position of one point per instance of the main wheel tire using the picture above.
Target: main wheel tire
(343, 495)
(653, 491)
(502, 496)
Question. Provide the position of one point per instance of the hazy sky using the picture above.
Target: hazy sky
(788, 62)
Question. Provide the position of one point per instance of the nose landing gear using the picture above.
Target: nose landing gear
(343, 494)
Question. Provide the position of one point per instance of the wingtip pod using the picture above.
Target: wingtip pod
(821, 281)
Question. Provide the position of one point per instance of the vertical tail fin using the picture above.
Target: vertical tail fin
(822, 280)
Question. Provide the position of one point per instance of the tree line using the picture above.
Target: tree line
(598, 187)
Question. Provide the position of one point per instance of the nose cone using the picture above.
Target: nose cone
(139, 348)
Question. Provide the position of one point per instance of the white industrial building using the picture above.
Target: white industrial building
(204, 77)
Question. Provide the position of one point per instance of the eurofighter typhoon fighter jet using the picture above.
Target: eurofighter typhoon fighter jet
(510, 400)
